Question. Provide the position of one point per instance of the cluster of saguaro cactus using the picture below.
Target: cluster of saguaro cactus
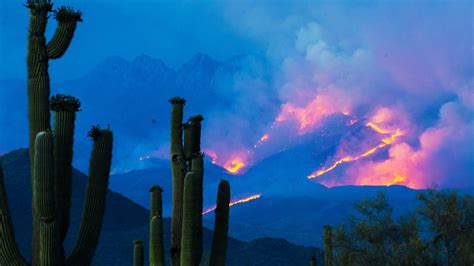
(51, 152)
(327, 238)
(187, 169)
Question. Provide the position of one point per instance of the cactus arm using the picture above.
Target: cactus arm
(178, 169)
(198, 170)
(188, 249)
(44, 199)
(328, 259)
(219, 240)
(95, 200)
(156, 248)
(138, 257)
(9, 251)
(67, 21)
(312, 261)
(65, 108)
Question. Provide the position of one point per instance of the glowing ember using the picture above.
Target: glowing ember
(386, 141)
(264, 138)
(234, 166)
(352, 122)
(232, 203)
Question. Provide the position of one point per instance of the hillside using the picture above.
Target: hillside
(125, 221)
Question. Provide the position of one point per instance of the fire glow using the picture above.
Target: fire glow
(232, 203)
(233, 164)
(385, 141)
(312, 115)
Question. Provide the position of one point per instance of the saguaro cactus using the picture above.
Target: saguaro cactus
(138, 253)
(64, 108)
(96, 192)
(39, 54)
(219, 240)
(328, 260)
(51, 156)
(157, 256)
(187, 169)
(9, 252)
(188, 249)
(312, 261)
(43, 199)
(178, 170)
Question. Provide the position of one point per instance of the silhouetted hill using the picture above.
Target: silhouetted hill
(125, 221)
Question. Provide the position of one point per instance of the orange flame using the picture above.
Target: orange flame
(234, 166)
(234, 202)
(264, 138)
(386, 141)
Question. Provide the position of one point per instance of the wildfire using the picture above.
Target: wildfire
(263, 139)
(232, 203)
(233, 163)
(311, 116)
(234, 166)
(385, 141)
(213, 156)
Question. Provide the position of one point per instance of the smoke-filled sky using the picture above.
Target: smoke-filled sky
(402, 69)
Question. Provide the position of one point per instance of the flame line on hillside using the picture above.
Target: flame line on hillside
(385, 141)
(232, 203)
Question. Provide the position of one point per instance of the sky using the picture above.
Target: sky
(402, 68)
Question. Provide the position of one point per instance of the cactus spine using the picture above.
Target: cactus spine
(138, 253)
(328, 260)
(157, 255)
(219, 240)
(51, 157)
(38, 57)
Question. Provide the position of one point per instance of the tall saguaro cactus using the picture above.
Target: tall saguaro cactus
(39, 54)
(187, 170)
(178, 170)
(328, 259)
(51, 156)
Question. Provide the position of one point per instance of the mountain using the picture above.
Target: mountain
(125, 221)
(131, 96)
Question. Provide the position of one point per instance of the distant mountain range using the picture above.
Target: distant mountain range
(132, 97)
(125, 221)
